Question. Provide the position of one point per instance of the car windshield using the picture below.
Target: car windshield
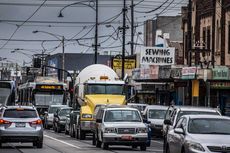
(4, 94)
(48, 98)
(53, 109)
(64, 112)
(139, 107)
(20, 113)
(181, 113)
(157, 114)
(209, 126)
(122, 116)
(105, 89)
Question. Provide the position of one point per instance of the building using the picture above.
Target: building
(74, 62)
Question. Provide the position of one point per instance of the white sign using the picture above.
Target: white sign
(158, 56)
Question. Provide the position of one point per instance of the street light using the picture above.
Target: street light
(96, 24)
(62, 39)
(21, 52)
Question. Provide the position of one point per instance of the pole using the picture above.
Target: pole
(213, 32)
(63, 58)
(96, 34)
(123, 39)
(132, 27)
(190, 47)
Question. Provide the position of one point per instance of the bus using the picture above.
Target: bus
(42, 93)
(7, 93)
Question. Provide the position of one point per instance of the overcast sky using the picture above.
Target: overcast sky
(77, 23)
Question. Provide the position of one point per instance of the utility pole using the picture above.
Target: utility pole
(132, 27)
(63, 58)
(189, 41)
(123, 39)
(96, 34)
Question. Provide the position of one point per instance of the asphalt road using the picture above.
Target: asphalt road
(61, 143)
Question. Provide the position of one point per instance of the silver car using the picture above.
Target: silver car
(155, 114)
(21, 124)
(49, 116)
(120, 126)
(200, 134)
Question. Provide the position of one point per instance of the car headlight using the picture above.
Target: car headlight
(195, 146)
(110, 130)
(142, 130)
(86, 115)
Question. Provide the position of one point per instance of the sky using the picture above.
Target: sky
(19, 18)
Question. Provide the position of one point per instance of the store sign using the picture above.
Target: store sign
(129, 63)
(149, 72)
(49, 87)
(220, 73)
(164, 72)
(158, 56)
(220, 85)
(189, 72)
(176, 73)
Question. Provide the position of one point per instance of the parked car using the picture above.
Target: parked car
(49, 115)
(21, 124)
(60, 118)
(71, 122)
(155, 115)
(120, 125)
(174, 113)
(139, 106)
(200, 133)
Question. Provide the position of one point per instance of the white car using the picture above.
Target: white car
(200, 134)
(120, 125)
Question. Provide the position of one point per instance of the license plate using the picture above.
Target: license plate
(126, 137)
(20, 125)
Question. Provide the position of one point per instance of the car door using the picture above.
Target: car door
(98, 124)
(179, 138)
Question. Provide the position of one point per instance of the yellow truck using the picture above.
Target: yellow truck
(95, 85)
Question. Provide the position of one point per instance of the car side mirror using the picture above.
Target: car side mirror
(146, 121)
(179, 131)
(167, 122)
(99, 120)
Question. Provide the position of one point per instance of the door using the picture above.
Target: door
(225, 105)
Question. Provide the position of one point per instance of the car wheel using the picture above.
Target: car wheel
(81, 134)
(167, 150)
(143, 147)
(94, 139)
(105, 146)
(182, 150)
(39, 144)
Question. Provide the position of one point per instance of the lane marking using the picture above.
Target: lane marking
(157, 141)
(68, 144)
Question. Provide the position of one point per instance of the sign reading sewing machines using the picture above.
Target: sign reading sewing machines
(158, 56)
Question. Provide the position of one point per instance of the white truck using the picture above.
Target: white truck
(95, 85)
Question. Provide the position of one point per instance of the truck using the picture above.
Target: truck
(95, 85)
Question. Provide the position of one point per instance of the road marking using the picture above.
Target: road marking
(157, 141)
(68, 144)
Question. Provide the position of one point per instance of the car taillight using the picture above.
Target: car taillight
(4, 122)
(37, 122)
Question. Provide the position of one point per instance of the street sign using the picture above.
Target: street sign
(129, 63)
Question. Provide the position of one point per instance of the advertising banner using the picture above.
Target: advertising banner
(157, 56)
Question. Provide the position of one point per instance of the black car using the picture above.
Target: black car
(60, 118)
(71, 122)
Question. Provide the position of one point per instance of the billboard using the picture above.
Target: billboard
(158, 56)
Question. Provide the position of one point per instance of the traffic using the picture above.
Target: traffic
(100, 116)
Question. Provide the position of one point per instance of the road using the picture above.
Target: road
(61, 143)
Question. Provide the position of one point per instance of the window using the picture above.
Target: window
(122, 116)
(20, 113)
(229, 37)
(208, 39)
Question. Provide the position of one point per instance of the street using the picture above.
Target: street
(61, 143)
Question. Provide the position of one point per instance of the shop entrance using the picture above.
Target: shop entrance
(225, 105)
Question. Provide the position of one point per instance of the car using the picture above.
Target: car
(120, 125)
(21, 124)
(71, 122)
(200, 133)
(155, 115)
(141, 107)
(174, 113)
(49, 115)
(59, 119)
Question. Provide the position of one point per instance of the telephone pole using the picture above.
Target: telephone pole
(123, 39)
(132, 27)
(96, 34)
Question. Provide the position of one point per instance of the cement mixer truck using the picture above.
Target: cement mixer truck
(95, 85)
